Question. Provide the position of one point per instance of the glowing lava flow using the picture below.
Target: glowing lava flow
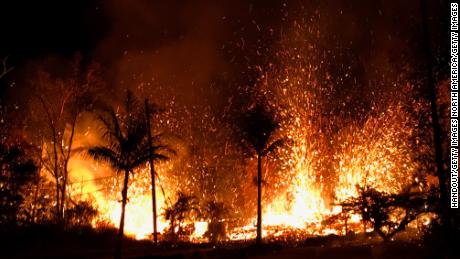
(375, 153)
(325, 158)
(138, 222)
(104, 193)
(329, 152)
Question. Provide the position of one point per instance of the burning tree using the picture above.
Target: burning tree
(258, 129)
(126, 148)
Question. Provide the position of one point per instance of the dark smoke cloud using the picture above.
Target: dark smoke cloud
(205, 52)
(197, 52)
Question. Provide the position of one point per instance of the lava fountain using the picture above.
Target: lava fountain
(328, 154)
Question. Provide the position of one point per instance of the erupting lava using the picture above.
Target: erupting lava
(328, 154)
(374, 154)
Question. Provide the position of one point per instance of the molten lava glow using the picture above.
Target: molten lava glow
(200, 229)
(306, 207)
(105, 194)
(328, 153)
(138, 221)
(375, 153)
(378, 154)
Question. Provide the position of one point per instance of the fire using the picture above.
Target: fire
(138, 221)
(330, 153)
(327, 155)
(376, 153)
(104, 192)
(307, 206)
(200, 229)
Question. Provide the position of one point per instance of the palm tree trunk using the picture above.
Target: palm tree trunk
(152, 174)
(154, 203)
(259, 199)
(124, 198)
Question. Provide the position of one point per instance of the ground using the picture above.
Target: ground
(355, 252)
(52, 242)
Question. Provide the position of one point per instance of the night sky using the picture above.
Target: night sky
(191, 47)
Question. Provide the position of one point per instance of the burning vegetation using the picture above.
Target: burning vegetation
(293, 154)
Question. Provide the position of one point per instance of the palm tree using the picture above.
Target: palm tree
(258, 129)
(126, 148)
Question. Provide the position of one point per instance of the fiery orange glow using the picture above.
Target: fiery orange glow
(375, 153)
(327, 155)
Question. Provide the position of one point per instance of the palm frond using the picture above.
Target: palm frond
(100, 153)
(257, 127)
(115, 126)
(111, 128)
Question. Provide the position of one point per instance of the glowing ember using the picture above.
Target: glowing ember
(375, 153)
(328, 153)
